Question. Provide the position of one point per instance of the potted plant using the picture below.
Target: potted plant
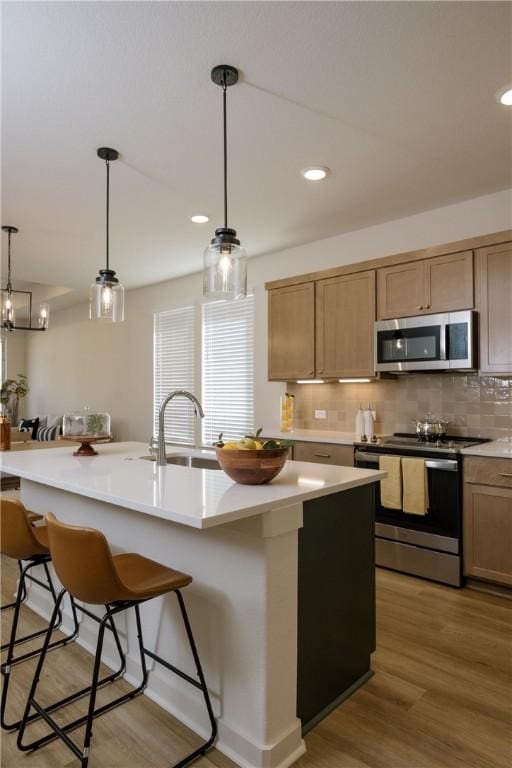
(11, 393)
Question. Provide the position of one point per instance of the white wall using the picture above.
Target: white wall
(110, 367)
(16, 360)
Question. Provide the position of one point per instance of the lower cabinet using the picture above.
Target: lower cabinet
(324, 453)
(488, 519)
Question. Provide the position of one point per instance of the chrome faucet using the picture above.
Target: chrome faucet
(161, 457)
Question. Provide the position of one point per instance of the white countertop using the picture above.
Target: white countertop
(499, 449)
(200, 498)
(313, 436)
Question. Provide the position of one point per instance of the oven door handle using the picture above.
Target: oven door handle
(449, 465)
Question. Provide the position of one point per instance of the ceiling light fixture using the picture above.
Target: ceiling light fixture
(504, 96)
(316, 173)
(107, 293)
(225, 261)
(199, 218)
(9, 295)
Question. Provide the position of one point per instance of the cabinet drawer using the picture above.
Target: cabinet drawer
(324, 453)
(488, 471)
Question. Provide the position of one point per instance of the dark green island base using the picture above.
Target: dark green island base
(336, 601)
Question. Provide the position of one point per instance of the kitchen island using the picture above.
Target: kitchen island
(282, 602)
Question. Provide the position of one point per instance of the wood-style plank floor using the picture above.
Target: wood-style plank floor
(441, 696)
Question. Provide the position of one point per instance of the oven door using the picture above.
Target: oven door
(440, 527)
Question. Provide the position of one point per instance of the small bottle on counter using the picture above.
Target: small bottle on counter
(5, 434)
(360, 422)
(287, 402)
(369, 422)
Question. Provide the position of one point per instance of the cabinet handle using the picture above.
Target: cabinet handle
(427, 306)
(505, 474)
(320, 370)
(311, 373)
(322, 455)
(420, 306)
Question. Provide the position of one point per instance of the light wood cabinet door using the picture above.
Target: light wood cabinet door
(291, 332)
(449, 283)
(400, 290)
(324, 453)
(494, 301)
(345, 316)
(488, 533)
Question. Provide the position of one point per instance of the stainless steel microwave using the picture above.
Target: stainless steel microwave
(426, 343)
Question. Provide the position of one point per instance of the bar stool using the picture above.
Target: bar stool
(118, 582)
(24, 542)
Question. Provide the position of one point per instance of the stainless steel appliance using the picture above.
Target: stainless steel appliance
(429, 546)
(426, 343)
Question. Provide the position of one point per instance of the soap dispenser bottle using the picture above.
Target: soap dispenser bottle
(360, 422)
(369, 420)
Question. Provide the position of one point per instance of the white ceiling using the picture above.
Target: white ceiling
(398, 99)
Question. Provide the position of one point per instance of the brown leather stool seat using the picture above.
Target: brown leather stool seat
(19, 538)
(90, 573)
(22, 541)
(111, 578)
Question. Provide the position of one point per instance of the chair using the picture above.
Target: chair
(118, 582)
(27, 544)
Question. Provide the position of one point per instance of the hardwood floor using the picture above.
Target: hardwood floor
(441, 696)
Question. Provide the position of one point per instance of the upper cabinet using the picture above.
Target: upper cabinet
(345, 315)
(427, 286)
(494, 301)
(291, 332)
(321, 325)
(400, 290)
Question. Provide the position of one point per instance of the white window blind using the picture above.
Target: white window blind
(174, 368)
(227, 369)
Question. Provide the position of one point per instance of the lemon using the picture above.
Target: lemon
(231, 446)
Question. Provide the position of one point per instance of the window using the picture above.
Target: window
(208, 349)
(227, 371)
(174, 368)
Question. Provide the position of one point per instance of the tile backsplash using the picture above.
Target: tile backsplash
(480, 406)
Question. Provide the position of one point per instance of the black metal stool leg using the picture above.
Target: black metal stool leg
(94, 688)
(24, 596)
(107, 621)
(213, 735)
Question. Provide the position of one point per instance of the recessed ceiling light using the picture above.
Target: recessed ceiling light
(504, 96)
(199, 218)
(315, 173)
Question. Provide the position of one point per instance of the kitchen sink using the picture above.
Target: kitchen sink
(198, 462)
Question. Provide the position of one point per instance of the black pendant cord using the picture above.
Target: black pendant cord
(224, 90)
(107, 163)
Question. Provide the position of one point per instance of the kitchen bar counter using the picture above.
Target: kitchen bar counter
(283, 595)
(500, 449)
(199, 498)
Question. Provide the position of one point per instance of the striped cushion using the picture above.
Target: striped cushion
(48, 433)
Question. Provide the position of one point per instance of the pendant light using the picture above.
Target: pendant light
(107, 293)
(225, 261)
(8, 298)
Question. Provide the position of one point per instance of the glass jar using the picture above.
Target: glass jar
(286, 410)
(86, 422)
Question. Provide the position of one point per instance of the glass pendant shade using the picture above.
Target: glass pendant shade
(8, 313)
(107, 301)
(44, 315)
(225, 271)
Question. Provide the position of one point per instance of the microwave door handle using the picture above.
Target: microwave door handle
(443, 341)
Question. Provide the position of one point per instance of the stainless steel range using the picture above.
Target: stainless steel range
(431, 545)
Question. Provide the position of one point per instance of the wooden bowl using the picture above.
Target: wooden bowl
(251, 467)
